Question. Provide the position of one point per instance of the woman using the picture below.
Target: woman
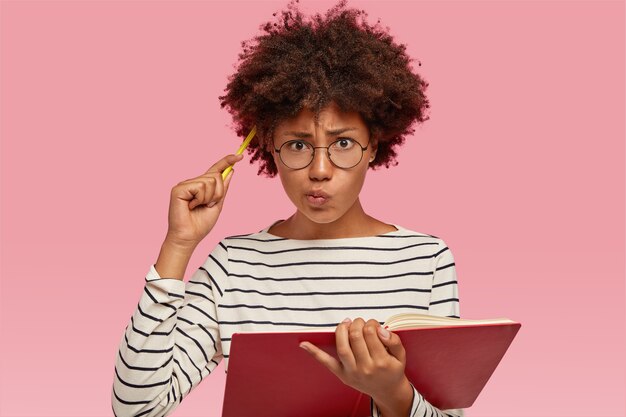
(331, 97)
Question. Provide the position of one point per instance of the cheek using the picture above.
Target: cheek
(291, 184)
(352, 184)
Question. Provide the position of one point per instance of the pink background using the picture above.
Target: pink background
(107, 105)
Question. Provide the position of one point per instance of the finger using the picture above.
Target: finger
(224, 163)
(376, 348)
(202, 190)
(202, 177)
(393, 343)
(322, 357)
(206, 188)
(342, 342)
(357, 343)
(226, 183)
(227, 180)
(195, 192)
(218, 191)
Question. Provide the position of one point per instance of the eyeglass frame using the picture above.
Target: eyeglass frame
(363, 149)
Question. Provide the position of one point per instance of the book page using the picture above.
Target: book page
(412, 320)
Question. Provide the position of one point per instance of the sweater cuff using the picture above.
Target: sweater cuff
(152, 274)
(164, 290)
(417, 400)
(421, 407)
(377, 413)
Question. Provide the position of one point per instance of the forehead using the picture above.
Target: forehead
(330, 118)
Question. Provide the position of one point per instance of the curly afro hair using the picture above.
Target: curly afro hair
(309, 62)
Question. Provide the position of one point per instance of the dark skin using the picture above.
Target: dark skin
(368, 361)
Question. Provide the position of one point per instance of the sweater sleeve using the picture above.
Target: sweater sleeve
(444, 302)
(172, 341)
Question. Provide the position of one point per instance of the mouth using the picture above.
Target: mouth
(317, 198)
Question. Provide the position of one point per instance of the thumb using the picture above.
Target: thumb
(393, 343)
(228, 178)
(226, 184)
(227, 181)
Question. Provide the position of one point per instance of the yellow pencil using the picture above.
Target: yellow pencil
(243, 146)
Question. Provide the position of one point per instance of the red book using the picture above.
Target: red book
(449, 361)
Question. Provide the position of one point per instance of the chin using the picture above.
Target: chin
(321, 216)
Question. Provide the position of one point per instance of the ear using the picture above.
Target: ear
(269, 147)
(374, 148)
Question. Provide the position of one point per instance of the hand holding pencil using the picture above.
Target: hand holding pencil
(196, 203)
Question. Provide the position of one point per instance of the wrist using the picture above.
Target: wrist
(173, 259)
(396, 398)
(182, 247)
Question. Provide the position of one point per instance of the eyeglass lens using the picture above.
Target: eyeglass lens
(345, 153)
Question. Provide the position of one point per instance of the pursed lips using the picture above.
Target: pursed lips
(318, 194)
(317, 198)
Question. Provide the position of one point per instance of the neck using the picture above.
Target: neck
(354, 223)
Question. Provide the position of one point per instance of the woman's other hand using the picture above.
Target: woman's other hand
(371, 360)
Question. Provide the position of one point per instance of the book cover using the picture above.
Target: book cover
(448, 364)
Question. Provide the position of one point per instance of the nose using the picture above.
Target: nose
(320, 168)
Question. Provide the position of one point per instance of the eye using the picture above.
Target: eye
(344, 144)
(296, 146)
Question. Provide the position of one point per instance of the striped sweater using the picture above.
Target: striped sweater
(180, 331)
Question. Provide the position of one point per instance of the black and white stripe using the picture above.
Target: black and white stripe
(180, 331)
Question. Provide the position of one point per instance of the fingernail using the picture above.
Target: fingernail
(303, 346)
(212, 204)
(347, 320)
(384, 332)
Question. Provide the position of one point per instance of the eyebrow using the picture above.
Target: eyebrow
(334, 132)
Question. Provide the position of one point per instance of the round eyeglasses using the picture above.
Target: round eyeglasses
(343, 153)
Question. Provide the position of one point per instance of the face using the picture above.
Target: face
(341, 187)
